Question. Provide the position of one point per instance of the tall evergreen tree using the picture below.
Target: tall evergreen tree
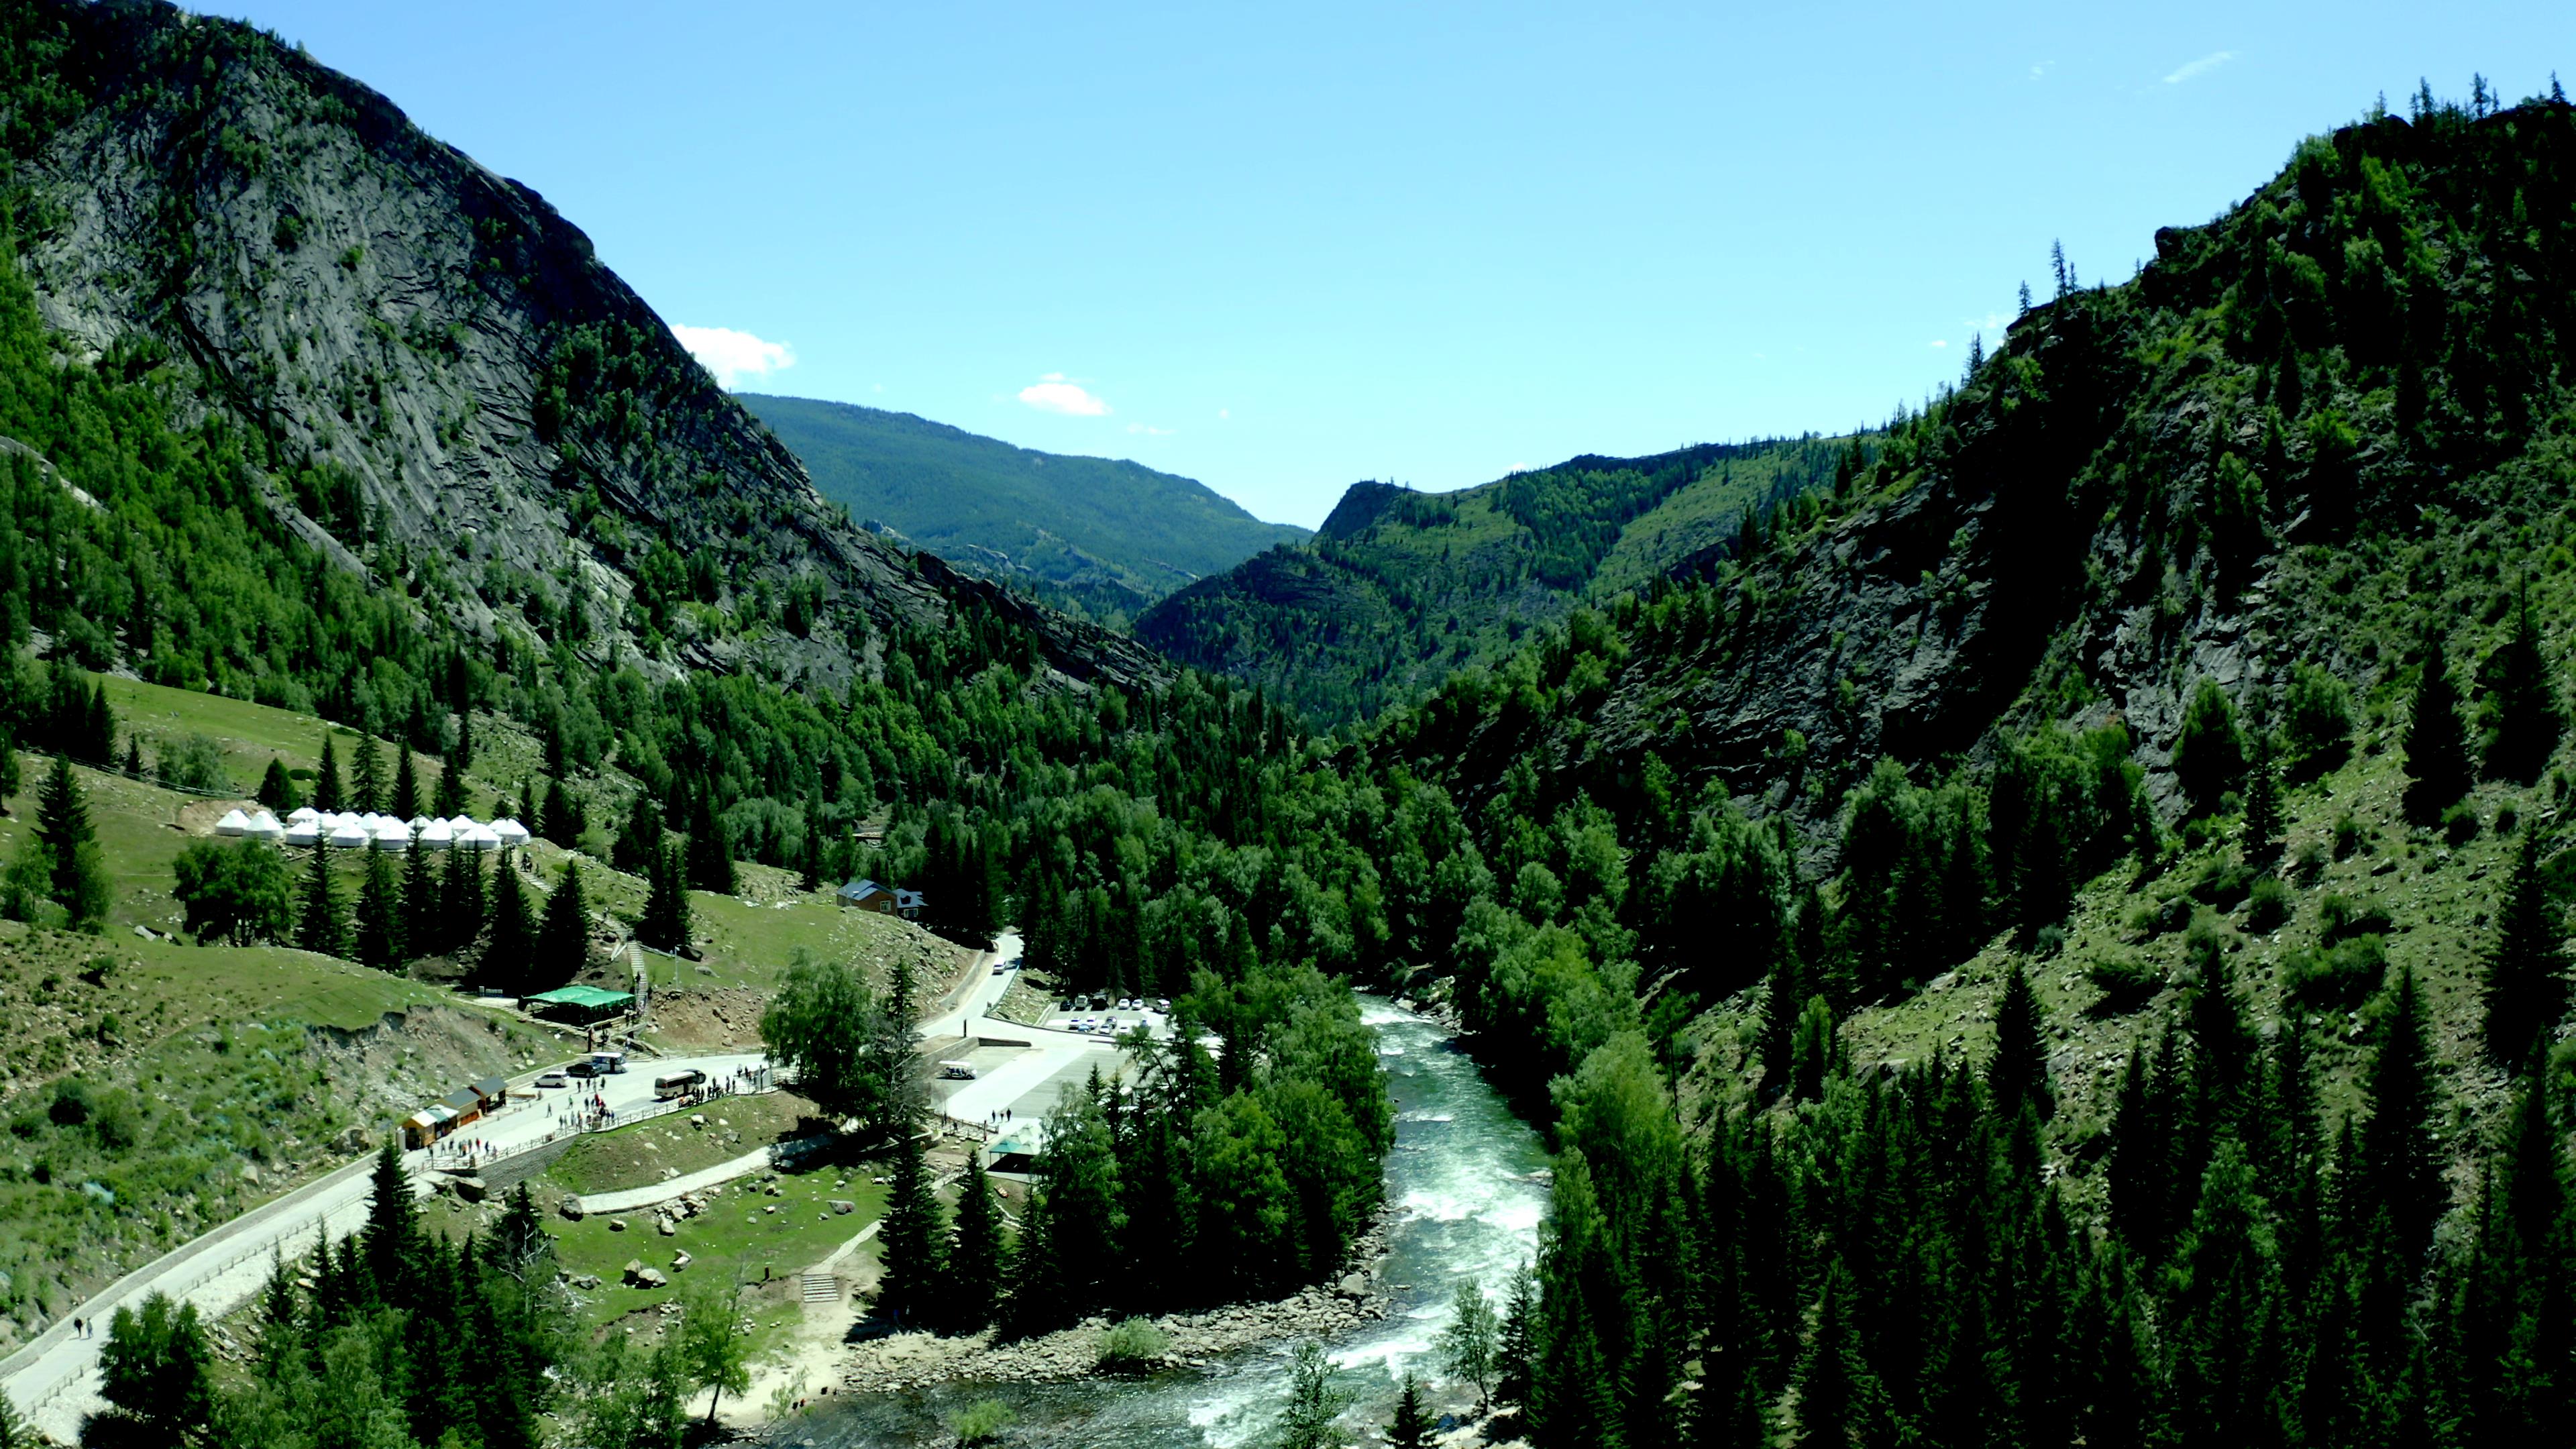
(424, 924)
(2401, 1167)
(914, 1237)
(321, 927)
(464, 897)
(2209, 753)
(2437, 743)
(511, 940)
(277, 788)
(406, 801)
(2522, 709)
(710, 855)
(366, 776)
(447, 797)
(809, 856)
(327, 796)
(974, 1284)
(665, 925)
(379, 915)
(2018, 1074)
(1412, 1426)
(563, 936)
(2262, 832)
(77, 879)
(638, 847)
(1838, 1397)
(2526, 972)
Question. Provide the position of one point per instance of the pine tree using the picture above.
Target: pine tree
(508, 945)
(1412, 1426)
(1837, 1395)
(379, 916)
(810, 858)
(638, 848)
(974, 1283)
(77, 880)
(563, 937)
(913, 1237)
(2209, 754)
(710, 855)
(447, 798)
(2401, 1165)
(2526, 982)
(391, 1238)
(462, 898)
(424, 927)
(665, 925)
(406, 798)
(366, 776)
(326, 779)
(461, 758)
(321, 928)
(277, 788)
(2262, 835)
(2018, 1074)
(528, 813)
(134, 757)
(2437, 744)
(2524, 718)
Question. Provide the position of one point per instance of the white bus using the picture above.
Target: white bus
(677, 1084)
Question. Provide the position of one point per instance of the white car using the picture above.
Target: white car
(1163, 1004)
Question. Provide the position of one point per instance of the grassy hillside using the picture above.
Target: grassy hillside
(1110, 534)
(1401, 589)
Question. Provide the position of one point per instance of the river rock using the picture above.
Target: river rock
(1353, 1286)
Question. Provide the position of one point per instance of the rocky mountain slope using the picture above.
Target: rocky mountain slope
(1105, 535)
(1400, 589)
(449, 390)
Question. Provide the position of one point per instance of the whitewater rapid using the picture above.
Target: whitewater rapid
(1468, 1185)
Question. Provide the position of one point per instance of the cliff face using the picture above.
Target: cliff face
(451, 387)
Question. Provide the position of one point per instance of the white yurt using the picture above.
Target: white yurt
(351, 836)
(421, 822)
(392, 834)
(512, 833)
(302, 815)
(304, 832)
(479, 837)
(437, 835)
(264, 826)
(233, 823)
(461, 823)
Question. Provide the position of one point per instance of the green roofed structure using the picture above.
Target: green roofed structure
(580, 1003)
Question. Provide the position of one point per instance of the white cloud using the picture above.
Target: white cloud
(734, 356)
(1148, 431)
(2041, 70)
(1052, 394)
(2200, 67)
(1225, 412)
(1937, 342)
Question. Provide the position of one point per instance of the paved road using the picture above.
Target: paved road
(54, 1379)
(967, 1004)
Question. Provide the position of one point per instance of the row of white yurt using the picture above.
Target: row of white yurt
(263, 826)
(233, 823)
(512, 833)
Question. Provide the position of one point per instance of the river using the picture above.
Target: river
(1468, 1186)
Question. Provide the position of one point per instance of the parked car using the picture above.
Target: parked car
(1163, 1004)
(997, 968)
(552, 1079)
(582, 1068)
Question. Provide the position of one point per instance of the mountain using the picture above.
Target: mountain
(1109, 534)
(1951, 933)
(1400, 589)
(448, 387)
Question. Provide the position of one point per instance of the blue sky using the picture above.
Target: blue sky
(1283, 248)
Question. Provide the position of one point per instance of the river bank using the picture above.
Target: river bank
(921, 1360)
(1466, 1188)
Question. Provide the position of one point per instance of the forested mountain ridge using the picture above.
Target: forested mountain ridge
(1107, 535)
(2066, 941)
(447, 387)
(1399, 589)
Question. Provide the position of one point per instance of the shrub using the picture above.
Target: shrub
(2126, 983)
(2223, 884)
(2340, 918)
(2341, 975)
(2460, 823)
(196, 763)
(2348, 838)
(2209, 754)
(1132, 1344)
(2268, 905)
(980, 1422)
(238, 893)
(2309, 865)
